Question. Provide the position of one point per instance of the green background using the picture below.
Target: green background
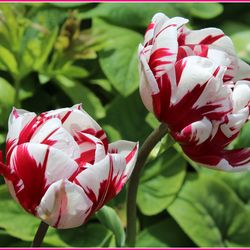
(55, 55)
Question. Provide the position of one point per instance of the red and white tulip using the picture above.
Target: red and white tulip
(60, 167)
(193, 81)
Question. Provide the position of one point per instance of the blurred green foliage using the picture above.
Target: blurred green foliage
(54, 55)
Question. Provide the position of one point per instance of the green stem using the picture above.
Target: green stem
(40, 234)
(144, 152)
(17, 88)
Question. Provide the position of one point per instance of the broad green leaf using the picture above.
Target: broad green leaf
(130, 15)
(204, 10)
(22, 225)
(211, 214)
(166, 233)
(19, 223)
(89, 235)
(127, 115)
(109, 218)
(80, 94)
(238, 182)
(36, 46)
(7, 92)
(72, 71)
(8, 60)
(160, 182)
(241, 42)
(7, 241)
(118, 58)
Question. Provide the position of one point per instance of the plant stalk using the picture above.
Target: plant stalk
(144, 152)
(40, 234)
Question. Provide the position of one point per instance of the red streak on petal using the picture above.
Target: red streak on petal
(150, 26)
(32, 176)
(179, 68)
(171, 25)
(210, 39)
(66, 116)
(131, 154)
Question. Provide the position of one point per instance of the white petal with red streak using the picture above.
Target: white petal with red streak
(215, 92)
(243, 71)
(166, 38)
(241, 161)
(148, 83)
(64, 205)
(52, 131)
(197, 36)
(75, 119)
(18, 119)
(241, 95)
(128, 150)
(196, 71)
(93, 143)
(235, 122)
(112, 166)
(58, 164)
(198, 131)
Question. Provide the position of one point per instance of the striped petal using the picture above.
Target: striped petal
(129, 151)
(209, 36)
(64, 205)
(191, 72)
(91, 148)
(102, 181)
(195, 133)
(35, 167)
(53, 134)
(18, 120)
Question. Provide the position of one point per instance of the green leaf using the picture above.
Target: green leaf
(88, 235)
(127, 115)
(166, 233)
(162, 179)
(238, 182)
(211, 214)
(19, 223)
(80, 94)
(130, 15)
(241, 41)
(72, 71)
(109, 218)
(36, 46)
(22, 225)
(7, 92)
(8, 60)
(7, 241)
(118, 58)
(206, 10)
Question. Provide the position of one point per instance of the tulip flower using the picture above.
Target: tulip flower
(193, 81)
(60, 167)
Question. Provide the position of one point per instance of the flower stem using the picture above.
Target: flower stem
(40, 234)
(144, 152)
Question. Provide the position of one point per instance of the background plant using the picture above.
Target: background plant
(55, 55)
